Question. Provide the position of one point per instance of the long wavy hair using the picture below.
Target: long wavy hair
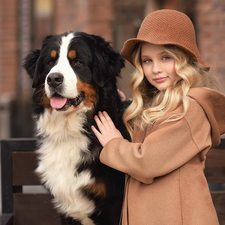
(149, 104)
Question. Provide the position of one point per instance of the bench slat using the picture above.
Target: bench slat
(215, 175)
(215, 165)
(24, 164)
(34, 209)
(215, 158)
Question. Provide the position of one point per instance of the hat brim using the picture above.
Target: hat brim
(129, 45)
(128, 48)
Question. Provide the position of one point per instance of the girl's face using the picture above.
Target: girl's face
(158, 66)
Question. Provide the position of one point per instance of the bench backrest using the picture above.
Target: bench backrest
(18, 161)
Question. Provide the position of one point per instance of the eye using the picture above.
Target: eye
(166, 57)
(51, 63)
(78, 63)
(146, 60)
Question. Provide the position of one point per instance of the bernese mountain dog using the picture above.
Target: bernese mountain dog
(74, 76)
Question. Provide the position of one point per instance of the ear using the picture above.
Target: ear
(33, 59)
(30, 65)
(107, 63)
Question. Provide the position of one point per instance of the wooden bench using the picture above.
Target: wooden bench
(18, 161)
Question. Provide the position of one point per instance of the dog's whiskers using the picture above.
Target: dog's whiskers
(39, 90)
(42, 97)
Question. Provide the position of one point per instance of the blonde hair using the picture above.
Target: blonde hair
(149, 104)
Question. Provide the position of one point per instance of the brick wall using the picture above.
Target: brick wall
(91, 16)
(8, 47)
(210, 22)
(128, 17)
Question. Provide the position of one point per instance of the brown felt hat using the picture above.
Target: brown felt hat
(165, 27)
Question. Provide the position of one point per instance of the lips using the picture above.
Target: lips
(59, 102)
(160, 79)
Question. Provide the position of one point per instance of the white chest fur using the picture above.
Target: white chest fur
(59, 154)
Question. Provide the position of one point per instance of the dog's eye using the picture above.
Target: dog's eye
(51, 63)
(78, 63)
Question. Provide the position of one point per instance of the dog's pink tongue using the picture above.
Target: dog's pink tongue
(58, 102)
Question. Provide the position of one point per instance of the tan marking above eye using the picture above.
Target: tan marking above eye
(72, 54)
(53, 54)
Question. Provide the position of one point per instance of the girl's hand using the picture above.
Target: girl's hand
(106, 127)
(123, 97)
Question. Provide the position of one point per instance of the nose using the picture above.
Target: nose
(156, 67)
(55, 79)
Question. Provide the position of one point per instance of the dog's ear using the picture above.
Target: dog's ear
(107, 63)
(32, 62)
(30, 65)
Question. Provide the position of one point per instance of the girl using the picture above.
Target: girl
(174, 119)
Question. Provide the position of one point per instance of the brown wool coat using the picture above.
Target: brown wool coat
(165, 165)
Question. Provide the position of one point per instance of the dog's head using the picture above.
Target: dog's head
(69, 70)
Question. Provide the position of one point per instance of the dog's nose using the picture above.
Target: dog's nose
(55, 79)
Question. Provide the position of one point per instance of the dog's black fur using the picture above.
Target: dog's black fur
(95, 64)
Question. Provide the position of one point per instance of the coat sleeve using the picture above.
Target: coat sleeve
(168, 147)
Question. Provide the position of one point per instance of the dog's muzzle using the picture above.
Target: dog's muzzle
(57, 101)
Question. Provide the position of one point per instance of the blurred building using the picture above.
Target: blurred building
(25, 23)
